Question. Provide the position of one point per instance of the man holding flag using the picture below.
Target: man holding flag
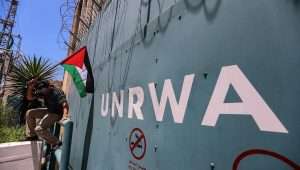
(57, 107)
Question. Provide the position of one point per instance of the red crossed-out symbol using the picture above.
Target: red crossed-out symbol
(137, 143)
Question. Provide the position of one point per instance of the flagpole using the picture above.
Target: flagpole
(56, 65)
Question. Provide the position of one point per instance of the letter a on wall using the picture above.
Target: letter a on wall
(252, 103)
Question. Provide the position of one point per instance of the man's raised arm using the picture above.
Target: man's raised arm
(30, 86)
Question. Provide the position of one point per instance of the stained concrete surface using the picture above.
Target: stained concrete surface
(20, 155)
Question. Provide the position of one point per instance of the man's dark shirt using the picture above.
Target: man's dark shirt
(54, 101)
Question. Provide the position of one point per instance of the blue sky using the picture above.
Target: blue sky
(38, 22)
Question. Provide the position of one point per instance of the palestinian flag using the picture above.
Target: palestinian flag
(79, 67)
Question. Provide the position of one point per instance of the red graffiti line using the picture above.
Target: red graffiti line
(263, 152)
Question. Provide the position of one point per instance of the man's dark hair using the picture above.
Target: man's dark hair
(42, 84)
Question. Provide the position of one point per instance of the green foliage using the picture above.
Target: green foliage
(9, 129)
(26, 69)
(21, 72)
(8, 117)
(11, 134)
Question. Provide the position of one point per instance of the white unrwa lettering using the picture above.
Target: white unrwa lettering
(117, 103)
(135, 107)
(178, 109)
(252, 103)
(104, 104)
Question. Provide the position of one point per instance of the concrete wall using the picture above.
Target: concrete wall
(258, 39)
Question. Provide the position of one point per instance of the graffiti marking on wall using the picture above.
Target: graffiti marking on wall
(263, 152)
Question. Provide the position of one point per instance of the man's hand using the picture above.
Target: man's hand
(65, 110)
(32, 82)
(61, 121)
(65, 116)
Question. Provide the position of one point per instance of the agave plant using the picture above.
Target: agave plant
(21, 72)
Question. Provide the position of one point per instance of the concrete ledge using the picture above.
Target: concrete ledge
(20, 155)
(11, 144)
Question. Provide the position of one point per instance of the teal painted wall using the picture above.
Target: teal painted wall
(186, 37)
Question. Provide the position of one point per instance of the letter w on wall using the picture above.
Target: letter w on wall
(178, 108)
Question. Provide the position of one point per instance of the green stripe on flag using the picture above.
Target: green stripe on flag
(76, 79)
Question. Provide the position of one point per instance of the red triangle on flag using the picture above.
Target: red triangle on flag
(76, 58)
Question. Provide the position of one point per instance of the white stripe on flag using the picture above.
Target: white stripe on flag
(83, 73)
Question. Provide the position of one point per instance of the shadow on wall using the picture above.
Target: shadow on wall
(210, 11)
(210, 8)
(296, 2)
(88, 136)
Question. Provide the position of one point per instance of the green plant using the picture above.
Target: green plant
(11, 134)
(26, 69)
(10, 131)
(8, 117)
(21, 72)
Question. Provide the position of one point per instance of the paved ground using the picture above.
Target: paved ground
(20, 156)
